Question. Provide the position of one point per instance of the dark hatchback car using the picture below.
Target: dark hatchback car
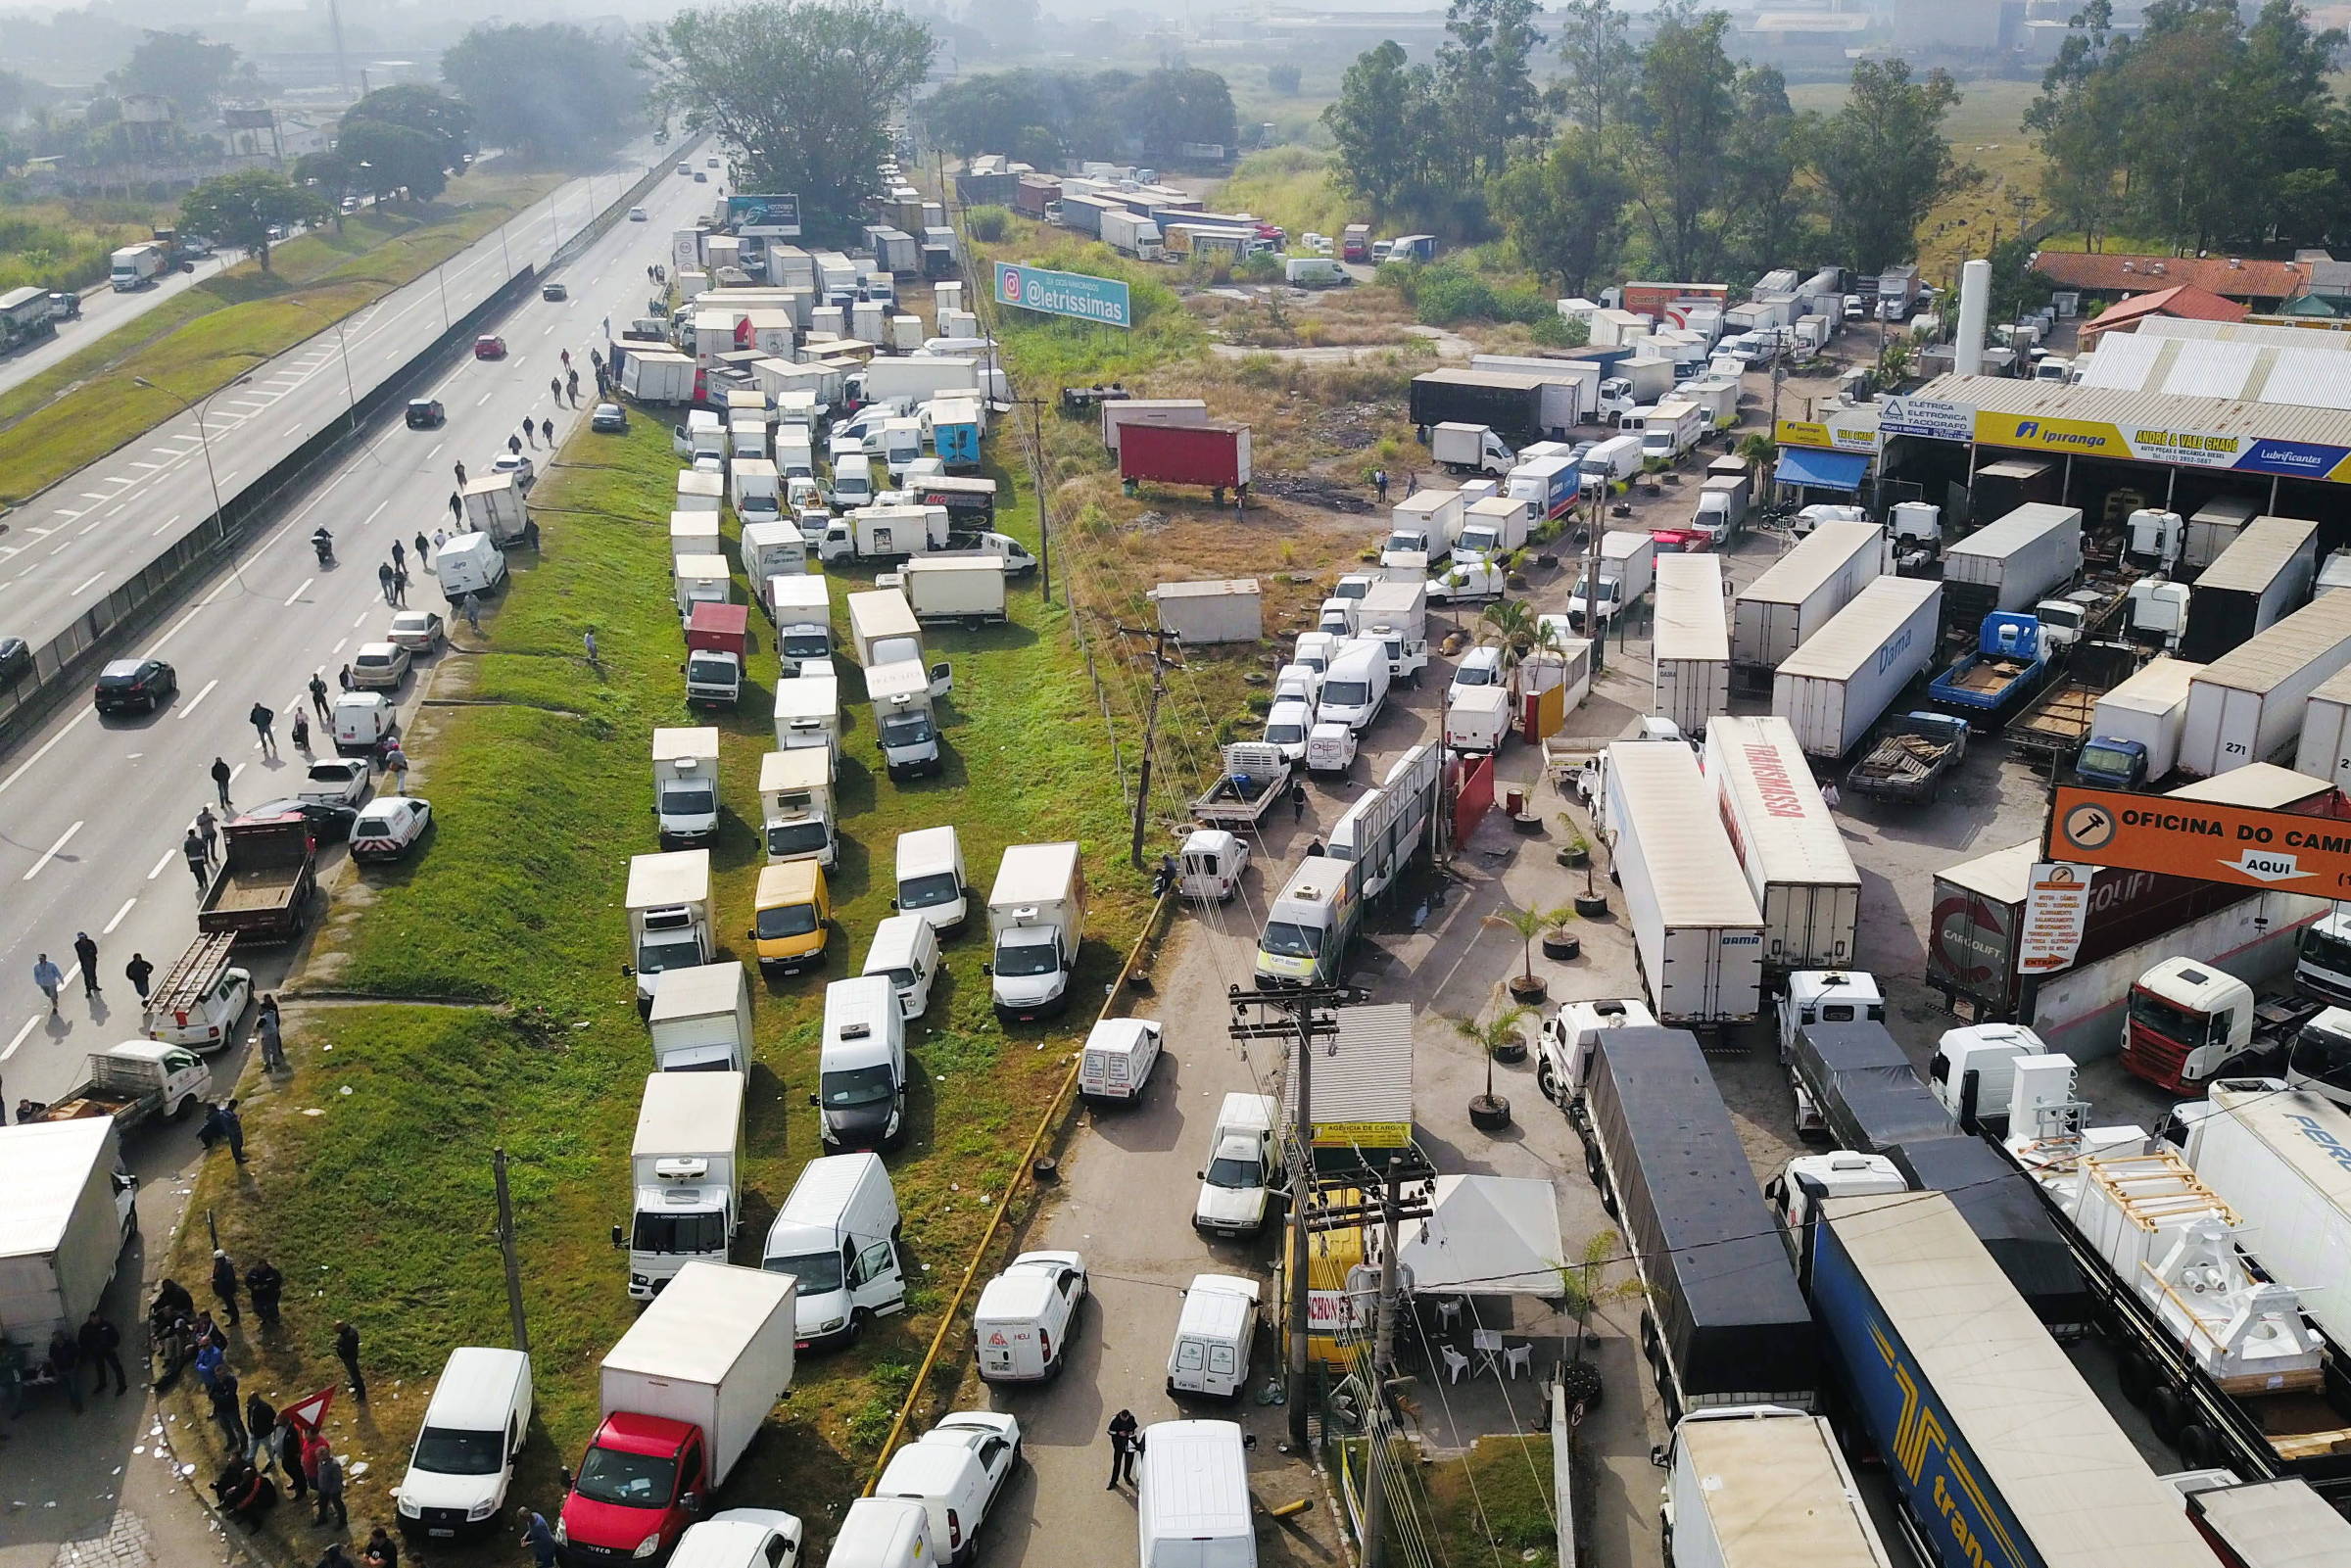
(15, 660)
(330, 820)
(135, 685)
(609, 420)
(426, 414)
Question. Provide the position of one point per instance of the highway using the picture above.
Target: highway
(102, 313)
(86, 536)
(92, 809)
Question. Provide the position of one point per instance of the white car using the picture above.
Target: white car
(380, 666)
(389, 827)
(418, 630)
(338, 780)
(741, 1538)
(514, 463)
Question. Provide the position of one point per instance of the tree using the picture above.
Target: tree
(381, 158)
(327, 172)
(1682, 114)
(184, 67)
(1027, 114)
(1564, 211)
(427, 111)
(1485, 78)
(803, 95)
(1382, 120)
(1882, 160)
(548, 89)
(1283, 79)
(239, 209)
(1599, 59)
(1765, 202)
(1183, 104)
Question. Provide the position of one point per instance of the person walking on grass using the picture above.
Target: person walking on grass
(265, 1283)
(232, 1128)
(347, 1350)
(139, 973)
(471, 607)
(329, 1482)
(224, 1285)
(272, 1043)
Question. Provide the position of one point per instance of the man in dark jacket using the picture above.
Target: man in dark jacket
(228, 1409)
(101, 1347)
(139, 971)
(224, 1284)
(347, 1350)
(265, 1284)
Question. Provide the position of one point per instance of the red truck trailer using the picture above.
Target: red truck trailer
(1214, 454)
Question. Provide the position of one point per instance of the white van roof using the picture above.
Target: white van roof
(924, 1470)
(895, 939)
(1217, 1306)
(701, 989)
(927, 849)
(825, 1187)
(1018, 1296)
(880, 1529)
(683, 1110)
(476, 1391)
(1246, 1111)
(1196, 1481)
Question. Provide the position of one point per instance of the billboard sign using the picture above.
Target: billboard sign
(2056, 912)
(685, 252)
(2240, 846)
(775, 217)
(1926, 416)
(2228, 451)
(1079, 296)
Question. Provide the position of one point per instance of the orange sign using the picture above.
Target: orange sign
(2240, 844)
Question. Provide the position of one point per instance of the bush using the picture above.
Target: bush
(986, 224)
(1263, 267)
(1556, 331)
(1283, 79)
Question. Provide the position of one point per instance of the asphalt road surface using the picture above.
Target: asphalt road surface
(89, 534)
(92, 809)
(102, 313)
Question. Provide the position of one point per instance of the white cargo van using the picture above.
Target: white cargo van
(883, 1532)
(956, 1471)
(1213, 1336)
(930, 877)
(838, 1235)
(469, 563)
(463, 1460)
(1119, 1054)
(1244, 1164)
(1356, 687)
(1192, 1497)
(861, 1068)
(1026, 1314)
(905, 952)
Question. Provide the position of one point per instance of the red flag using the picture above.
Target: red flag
(309, 1413)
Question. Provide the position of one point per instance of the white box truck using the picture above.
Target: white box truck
(1468, 449)
(884, 533)
(2212, 528)
(775, 548)
(69, 1214)
(2248, 704)
(2009, 564)
(1801, 593)
(809, 709)
(701, 1020)
(1036, 917)
(882, 629)
(966, 587)
(682, 1167)
(2324, 749)
(1424, 525)
(668, 902)
(1689, 664)
(1492, 526)
(1834, 687)
(1764, 1485)
(801, 604)
(795, 805)
(2136, 728)
(1670, 429)
(1787, 841)
(1696, 933)
(685, 786)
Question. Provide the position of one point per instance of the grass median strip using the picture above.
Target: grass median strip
(85, 406)
(369, 1170)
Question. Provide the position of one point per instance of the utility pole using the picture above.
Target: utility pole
(1036, 481)
(1159, 685)
(1384, 1355)
(1599, 633)
(505, 1244)
(1296, 1019)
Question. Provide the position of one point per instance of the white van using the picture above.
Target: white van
(469, 563)
(1213, 1336)
(1315, 650)
(362, 719)
(741, 1537)
(861, 1070)
(1026, 1314)
(1119, 1054)
(883, 1532)
(956, 1471)
(1356, 686)
(1192, 1497)
(838, 1235)
(464, 1455)
(1245, 1163)
(905, 952)
(930, 877)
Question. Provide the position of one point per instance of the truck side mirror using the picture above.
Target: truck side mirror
(750, 933)
(812, 1099)
(617, 1241)
(893, 903)
(1656, 1455)
(564, 1474)
(987, 969)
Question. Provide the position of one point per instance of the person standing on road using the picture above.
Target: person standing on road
(424, 550)
(566, 358)
(383, 578)
(347, 1350)
(49, 977)
(101, 1347)
(262, 722)
(221, 771)
(139, 971)
(319, 694)
(1122, 1446)
(224, 1285)
(530, 433)
(265, 1284)
(555, 387)
(515, 443)
(538, 1536)
(457, 507)
(85, 952)
(65, 1360)
(571, 384)
(344, 680)
(200, 864)
(460, 475)
(208, 826)
(301, 730)
(400, 556)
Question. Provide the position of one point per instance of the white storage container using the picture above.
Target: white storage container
(1697, 932)
(2324, 749)
(1787, 840)
(1690, 677)
(2248, 705)
(1834, 686)
(2021, 556)
(1800, 594)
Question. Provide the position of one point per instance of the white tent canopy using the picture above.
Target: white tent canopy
(1486, 1236)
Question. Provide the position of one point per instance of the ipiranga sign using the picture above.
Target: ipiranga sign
(1080, 296)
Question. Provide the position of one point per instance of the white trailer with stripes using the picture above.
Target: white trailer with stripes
(1788, 843)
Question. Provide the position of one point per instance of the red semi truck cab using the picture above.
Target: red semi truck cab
(642, 1481)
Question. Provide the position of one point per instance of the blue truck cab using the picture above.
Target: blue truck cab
(1989, 685)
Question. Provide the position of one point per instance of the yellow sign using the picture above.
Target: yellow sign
(1826, 437)
(2089, 438)
(1364, 1135)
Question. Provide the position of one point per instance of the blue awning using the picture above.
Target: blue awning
(1825, 470)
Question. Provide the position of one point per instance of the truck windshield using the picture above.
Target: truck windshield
(454, 1450)
(654, 957)
(929, 892)
(1234, 1174)
(805, 642)
(703, 670)
(1028, 958)
(787, 920)
(1285, 734)
(2152, 1012)
(819, 1273)
(703, 1235)
(2105, 761)
(857, 1086)
(695, 800)
(627, 1480)
(2323, 950)
(1402, 541)
(906, 730)
(1346, 693)
(1288, 940)
(788, 838)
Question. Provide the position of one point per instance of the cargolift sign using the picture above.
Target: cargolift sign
(2241, 845)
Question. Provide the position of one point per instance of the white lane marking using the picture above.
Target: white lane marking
(298, 592)
(92, 495)
(114, 479)
(199, 697)
(436, 452)
(61, 512)
(477, 402)
(29, 1025)
(26, 766)
(175, 516)
(50, 853)
(139, 463)
(373, 515)
(337, 648)
(169, 855)
(169, 452)
(233, 772)
(225, 477)
(85, 582)
(116, 508)
(127, 904)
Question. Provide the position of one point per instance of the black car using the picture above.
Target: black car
(15, 660)
(426, 414)
(609, 420)
(330, 820)
(135, 685)
(554, 291)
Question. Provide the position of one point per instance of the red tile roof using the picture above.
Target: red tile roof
(2180, 300)
(2246, 279)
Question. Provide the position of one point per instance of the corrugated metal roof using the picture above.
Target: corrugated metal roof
(1855, 634)
(2152, 411)
(2211, 369)
(1689, 615)
(1790, 833)
(2047, 1448)
(2244, 332)
(1365, 1071)
(1819, 556)
(2126, 361)
(2259, 551)
(2309, 377)
(1215, 587)
(2290, 644)
(2004, 536)
(1697, 877)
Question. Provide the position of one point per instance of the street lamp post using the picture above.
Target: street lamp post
(350, 391)
(504, 255)
(204, 441)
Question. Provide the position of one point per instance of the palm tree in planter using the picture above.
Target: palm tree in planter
(1527, 985)
(1582, 1288)
(1498, 1037)
(1507, 623)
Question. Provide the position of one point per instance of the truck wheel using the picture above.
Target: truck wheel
(2134, 1376)
(2199, 1447)
(2165, 1414)
(1548, 1086)
(1591, 1167)
(1648, 1336)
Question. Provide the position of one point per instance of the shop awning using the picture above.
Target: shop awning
(1824, 470)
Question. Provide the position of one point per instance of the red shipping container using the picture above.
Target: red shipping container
(719, 629)
(1214, 455)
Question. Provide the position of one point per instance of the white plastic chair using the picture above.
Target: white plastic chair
(1455, 1363)
(1520, 1358)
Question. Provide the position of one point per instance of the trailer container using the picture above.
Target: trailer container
(1510, 405)
(1698, 936)
(1799, 595)
(1213, 454)
(2009, 564)
(1854, 1084)
(2269, 1523)
(1764, 1487)
(2002, 1454)
(2265, 575)
(2136, 728)
(2323, 751)
(2007, 1218)
(2248, 704)
(1570, 387)
(2282, 1158)
(1834, 686)
(1724, 1323)
(1787, 843)
(2212, 528)
(1690, 666)
(1120, 412)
